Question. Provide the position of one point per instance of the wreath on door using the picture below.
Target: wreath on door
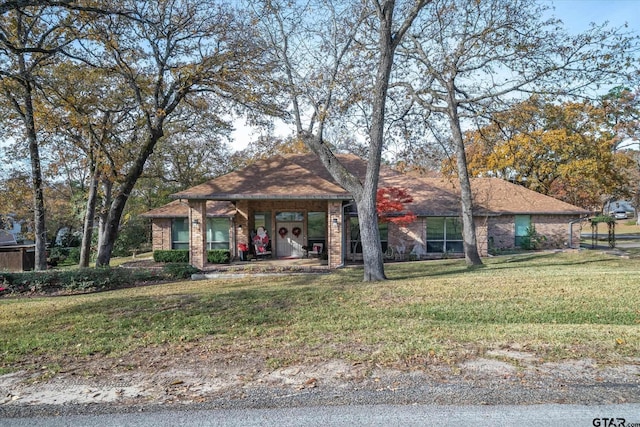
(296, 231)
(283, 231)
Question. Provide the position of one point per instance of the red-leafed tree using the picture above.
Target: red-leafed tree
(391, 204)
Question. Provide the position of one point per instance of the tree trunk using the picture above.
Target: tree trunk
(112, 223)
(87, 233)
(107, 187)
(367, 213)
(472, 257)
(370, 236)
(36, 180)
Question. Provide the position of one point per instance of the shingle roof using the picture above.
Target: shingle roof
(491, 196)
(277, 177)
(178, 209)
(304, 177)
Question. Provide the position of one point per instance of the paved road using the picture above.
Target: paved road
(352, 416)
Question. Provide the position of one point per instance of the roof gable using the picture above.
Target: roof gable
(277, 177)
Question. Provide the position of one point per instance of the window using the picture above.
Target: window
(316, 225)
(316, 229)
(217, 233)
(523, 222)
(355, 243)
(444, 234)
(290, 217)
(262, 219)
(180, 233)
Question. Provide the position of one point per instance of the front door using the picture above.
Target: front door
(289, 239)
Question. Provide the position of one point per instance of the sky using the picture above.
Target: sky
(576, 15)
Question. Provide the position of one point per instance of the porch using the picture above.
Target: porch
(290, 233)
(271, 265)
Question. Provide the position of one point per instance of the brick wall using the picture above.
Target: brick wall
(416, 234)
(501, 230)
(335, 234)
(555, 228)
(407, 236)
(161, 233)
(482, 235)
(197, 233)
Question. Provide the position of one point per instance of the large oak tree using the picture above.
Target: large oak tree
(334, 65)
(168, 54)
(466, 59)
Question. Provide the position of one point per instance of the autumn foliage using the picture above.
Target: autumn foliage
(391, 205)
(563, 150)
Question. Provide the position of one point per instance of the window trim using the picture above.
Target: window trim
(355, 246)
(517, 238)
(446, 243)
(179, 244)
(210, 231)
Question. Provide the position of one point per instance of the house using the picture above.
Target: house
(298, 209)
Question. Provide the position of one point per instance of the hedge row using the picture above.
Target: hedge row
(88, 279)
(215, 256)
(219, 256)
(93, 279)
(173, 255)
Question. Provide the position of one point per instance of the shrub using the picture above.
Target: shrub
(173, 255)
(219, 256)
(179, 270)
(96, 279)
(532, 240)
(57, 255)
(132, 236)
(74, 255)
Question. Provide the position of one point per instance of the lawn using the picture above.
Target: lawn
(556, 305)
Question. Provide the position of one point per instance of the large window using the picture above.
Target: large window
(444, 234)
(180, 233)
(355, 243)
(316, 225)
(217, 233)
(523, 222)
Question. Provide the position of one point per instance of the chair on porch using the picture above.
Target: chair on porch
(261, 244)
(316, 249)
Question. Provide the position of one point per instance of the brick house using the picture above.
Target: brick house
(304, 211)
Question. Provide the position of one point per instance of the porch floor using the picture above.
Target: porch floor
(271, 264)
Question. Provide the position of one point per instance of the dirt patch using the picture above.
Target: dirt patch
(190, 375)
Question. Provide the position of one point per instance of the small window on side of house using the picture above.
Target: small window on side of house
(522, 225)
(180, 233)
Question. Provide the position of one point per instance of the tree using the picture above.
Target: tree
(339, 62)
(169, 54)
(391, 205)
(622, 109)
(468, 58)
(88, 117)
(566, 151)
(30, 40)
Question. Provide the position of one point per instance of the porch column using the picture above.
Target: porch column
(198, 233)
(335, 228)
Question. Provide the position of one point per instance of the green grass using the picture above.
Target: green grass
(558, 306)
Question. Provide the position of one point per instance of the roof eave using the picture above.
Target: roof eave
(238, 197)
